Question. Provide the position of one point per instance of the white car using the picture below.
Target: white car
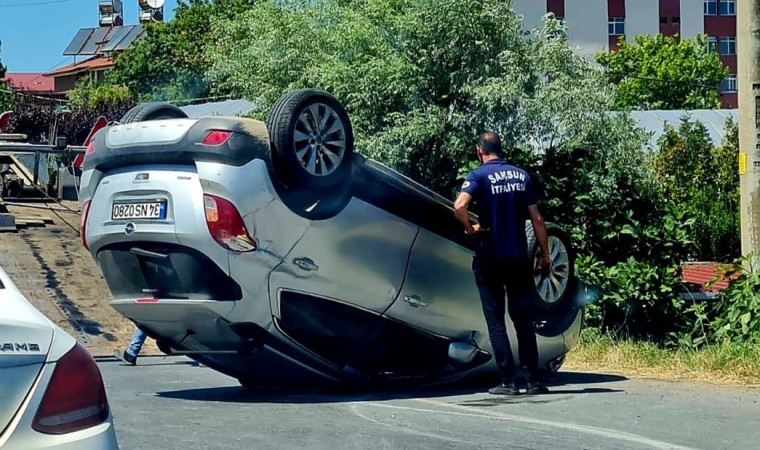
(51, 392)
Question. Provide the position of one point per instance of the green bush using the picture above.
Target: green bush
(737, 310)
(89, 95)
(637, 299)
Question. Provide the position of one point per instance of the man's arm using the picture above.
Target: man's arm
(463, 214)
(539, 228)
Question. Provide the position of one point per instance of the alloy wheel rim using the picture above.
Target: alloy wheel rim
(552, 287)
(320, 139)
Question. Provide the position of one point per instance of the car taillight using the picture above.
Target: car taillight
(83, 223)
(75, 398)
(216, 137)
(226, 226)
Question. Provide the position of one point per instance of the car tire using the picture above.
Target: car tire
(553, 294)
(153, 111)
(312, 140)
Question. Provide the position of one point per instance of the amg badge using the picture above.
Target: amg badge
(19, 347)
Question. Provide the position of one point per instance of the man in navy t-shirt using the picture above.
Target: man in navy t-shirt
(505, 199)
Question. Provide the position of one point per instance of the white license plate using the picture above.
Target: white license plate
(140, 210)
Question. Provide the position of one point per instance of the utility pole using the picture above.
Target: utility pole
(748, 78)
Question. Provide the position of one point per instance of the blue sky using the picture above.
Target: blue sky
(34, 33)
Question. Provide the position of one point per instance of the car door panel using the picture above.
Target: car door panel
(358, 257)
(439, 293)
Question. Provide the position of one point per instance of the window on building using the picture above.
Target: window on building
(712, 44)
(728, 84)
(727, 46)
(727, 7)
(676, 21)
(663, 20)
(616, 26)
(711, 7)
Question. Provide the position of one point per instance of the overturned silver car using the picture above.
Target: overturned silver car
(273, 253)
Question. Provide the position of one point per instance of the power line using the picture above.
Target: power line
(49, 2)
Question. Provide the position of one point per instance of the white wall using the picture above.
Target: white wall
(587, 25)
(692, 18)
(641, 17)
(531, 10)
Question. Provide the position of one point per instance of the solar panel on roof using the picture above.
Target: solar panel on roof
(115, 37)
(129, 38)
(91, 47)
(78, 42)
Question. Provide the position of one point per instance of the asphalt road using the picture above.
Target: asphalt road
(173, 403)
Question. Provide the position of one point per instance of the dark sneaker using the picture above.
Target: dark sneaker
(536, 388)
(505, 389)
(129, 359)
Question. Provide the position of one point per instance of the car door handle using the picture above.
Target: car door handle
(305, 264)
(415, 301)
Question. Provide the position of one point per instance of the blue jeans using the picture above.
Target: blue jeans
(138, 339)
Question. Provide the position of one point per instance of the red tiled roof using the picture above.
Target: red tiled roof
(29, 82)
(96, 63)
(701, 273)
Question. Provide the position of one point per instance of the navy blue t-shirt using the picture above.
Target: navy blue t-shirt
(502, 193)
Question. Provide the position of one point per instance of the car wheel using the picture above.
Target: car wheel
(153, 111)
(554, 293)
(312, 139)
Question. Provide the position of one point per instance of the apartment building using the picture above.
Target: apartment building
(596, 25)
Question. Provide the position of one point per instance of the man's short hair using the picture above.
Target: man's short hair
(490, 143)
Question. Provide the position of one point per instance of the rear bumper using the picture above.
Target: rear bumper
(164, 270)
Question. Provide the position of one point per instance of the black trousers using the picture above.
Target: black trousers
(513, 277)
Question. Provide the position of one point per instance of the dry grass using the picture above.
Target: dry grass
(729, 363)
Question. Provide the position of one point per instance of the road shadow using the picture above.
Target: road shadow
(471, 386)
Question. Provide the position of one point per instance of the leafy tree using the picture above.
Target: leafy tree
(2, 67)
(169, 63)
(664, 72)
(90, 95)
(420, 78)
(703, 180)
(41, 118)
(7, 99)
